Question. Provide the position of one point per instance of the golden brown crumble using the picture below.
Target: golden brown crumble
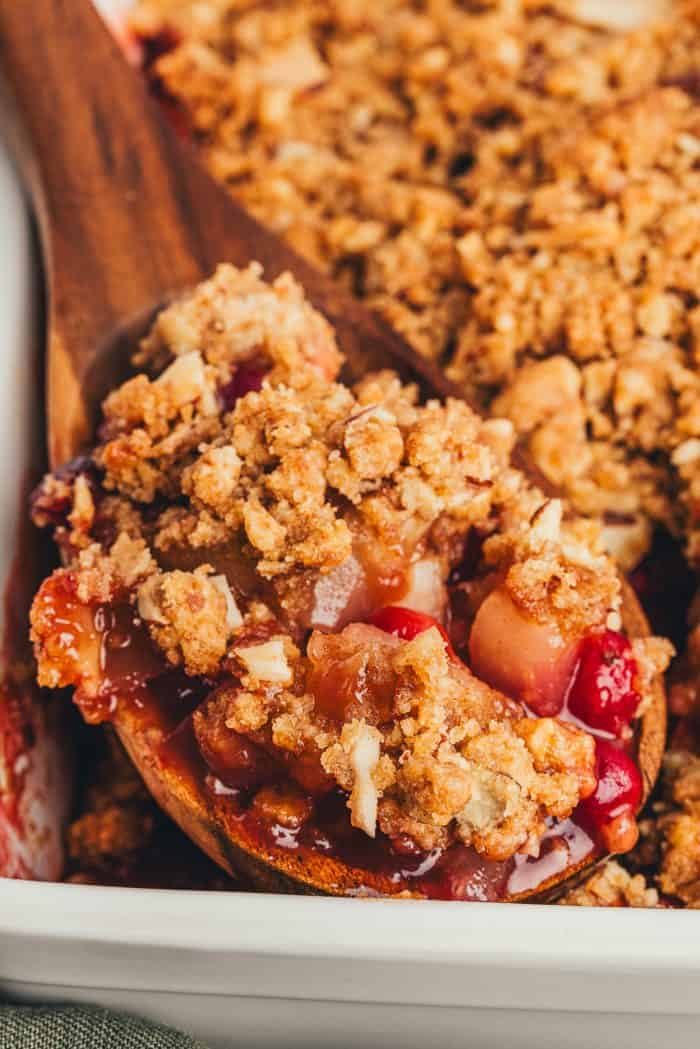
(513, 185)
(305, 480)
(497, 778)
(398, 148)
(306, 504)
(608, 223)
(188, 617)
(678, 827)
(456, 762)
(612, 886)
(266, 478)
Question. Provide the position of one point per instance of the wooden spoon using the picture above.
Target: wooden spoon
(128, 217)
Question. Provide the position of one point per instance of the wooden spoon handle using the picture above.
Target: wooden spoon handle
(126, 214)
(93, 162)
(89, 123)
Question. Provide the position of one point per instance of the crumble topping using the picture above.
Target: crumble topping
(678, 828)
(116, 819)
(266, 477)
(119, 836)
(188, 617)
(447, 766)
(236, 316)
(363, 174)
(609, 216)
(513, 185)
(251, 538)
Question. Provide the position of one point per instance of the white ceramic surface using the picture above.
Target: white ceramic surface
(21, 394)
(269, 971)
(272, 971)
(35, 787)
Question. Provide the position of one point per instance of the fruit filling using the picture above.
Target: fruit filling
(391, 638)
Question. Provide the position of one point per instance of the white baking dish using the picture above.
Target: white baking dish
(258, 971)
(271, 971)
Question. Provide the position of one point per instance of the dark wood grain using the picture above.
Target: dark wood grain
(128, 218)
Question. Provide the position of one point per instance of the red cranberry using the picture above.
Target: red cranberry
(610, 810)
(405, 623)
(619, 780)
(603, 695)
(248, 378)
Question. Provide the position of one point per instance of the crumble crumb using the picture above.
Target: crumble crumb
(678, 824)
(188, 617)
(612, 886)
(236, 317)
(251, 540)
(119, 836)
(445, 767)
(266, 478)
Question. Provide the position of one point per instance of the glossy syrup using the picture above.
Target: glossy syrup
(134, 672)
(457, 873)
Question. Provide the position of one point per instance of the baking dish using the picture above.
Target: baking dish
(242, 969)
(259, 971)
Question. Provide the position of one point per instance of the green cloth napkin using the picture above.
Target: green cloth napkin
(78, 1027)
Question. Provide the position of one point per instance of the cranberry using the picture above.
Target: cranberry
(405, 623)
(248, 378)
(610, 810)
(603, 694)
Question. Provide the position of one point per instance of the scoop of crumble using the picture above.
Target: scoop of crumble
(364, 597)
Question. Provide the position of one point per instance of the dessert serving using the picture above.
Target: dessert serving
(360, 619)
(377, 657)
(515, 187)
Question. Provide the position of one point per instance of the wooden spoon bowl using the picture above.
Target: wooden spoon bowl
(127, 218)
(177, 779)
